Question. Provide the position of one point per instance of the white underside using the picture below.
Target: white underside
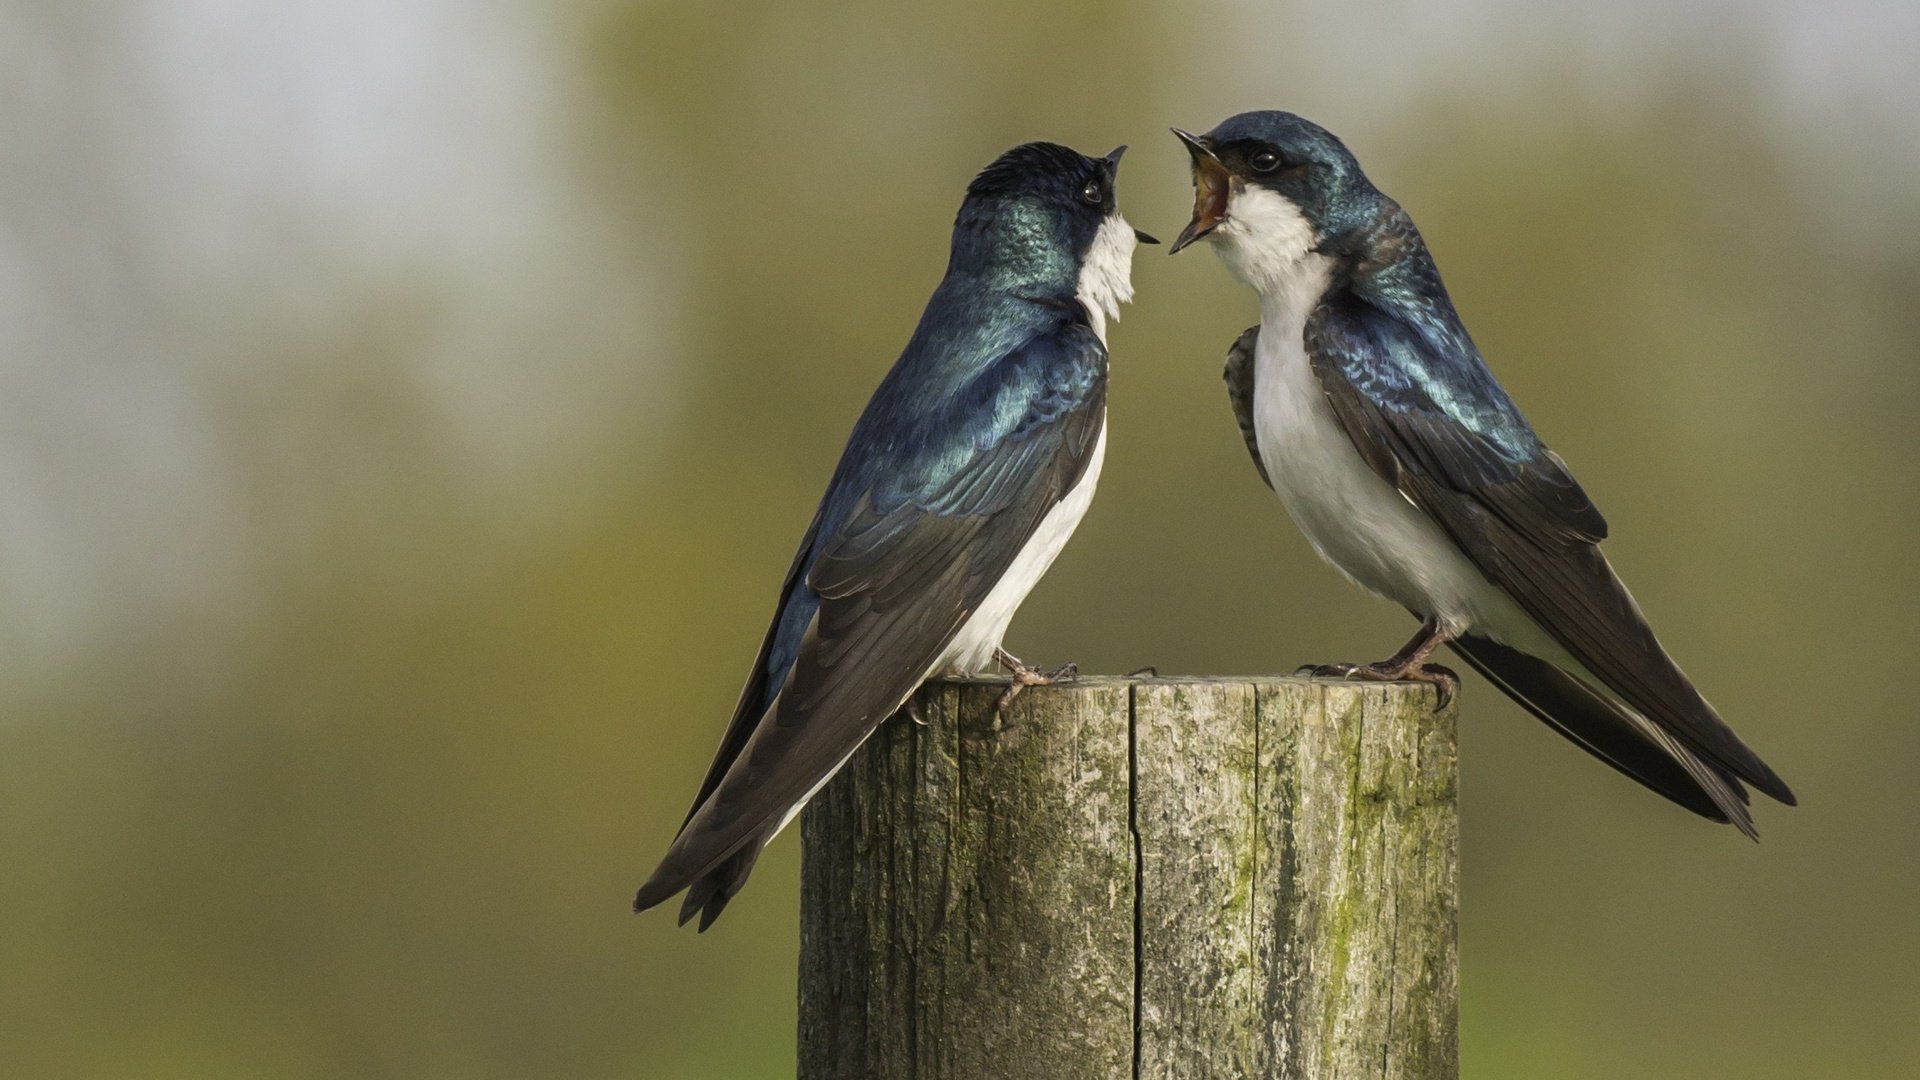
(1354, 519)
(971, 651)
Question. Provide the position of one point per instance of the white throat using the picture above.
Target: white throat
(1268, 243)
(1106, 275)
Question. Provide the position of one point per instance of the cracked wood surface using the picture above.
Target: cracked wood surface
(1161, 878)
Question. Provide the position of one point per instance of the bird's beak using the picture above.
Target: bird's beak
(1113, 168)
(1209, 191)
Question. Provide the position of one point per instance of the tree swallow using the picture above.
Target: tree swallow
(962, 480)
(1371, 414)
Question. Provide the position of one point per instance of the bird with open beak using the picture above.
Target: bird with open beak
(1212, 188)
(1369, 411)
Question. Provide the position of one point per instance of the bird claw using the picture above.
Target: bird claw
(1025, 675)
(1444, 682)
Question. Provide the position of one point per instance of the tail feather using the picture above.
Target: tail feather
(680, 870)
(709, 895)
(1629, 743)
(708, 890)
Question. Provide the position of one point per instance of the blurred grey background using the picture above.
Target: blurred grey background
(408, 408)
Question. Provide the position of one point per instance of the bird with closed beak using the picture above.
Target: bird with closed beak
(1369, 411)
(969, 469)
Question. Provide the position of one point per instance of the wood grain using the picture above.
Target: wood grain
(1162, 878)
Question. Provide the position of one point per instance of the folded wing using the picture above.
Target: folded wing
(904, 550)
(1427, 415)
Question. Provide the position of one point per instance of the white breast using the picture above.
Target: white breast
(972, 649)
(1106, 275)
(1353, 518)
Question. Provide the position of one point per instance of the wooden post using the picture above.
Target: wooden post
(1177, 879)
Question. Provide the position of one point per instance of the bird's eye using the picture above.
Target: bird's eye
(1092, 192)
(1264, 161)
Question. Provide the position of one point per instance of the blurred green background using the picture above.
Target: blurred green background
(407, 410)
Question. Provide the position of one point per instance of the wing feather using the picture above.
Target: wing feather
(926, 535)
(1424, 411)
(1239, 378)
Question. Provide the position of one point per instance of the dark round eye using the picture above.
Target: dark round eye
(1264, 161)
(1092, 192)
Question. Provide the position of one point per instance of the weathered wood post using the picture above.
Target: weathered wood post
(1185, 879)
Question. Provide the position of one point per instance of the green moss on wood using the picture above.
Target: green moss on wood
(1158, 878)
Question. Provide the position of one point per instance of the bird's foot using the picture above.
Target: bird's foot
(1409, 665)
(1443, 680)
(1025, 676)
(913, 711)
(1377, 672)
(1149, 671)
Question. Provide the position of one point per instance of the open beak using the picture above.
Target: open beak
(1209, 191)
(1113, 169)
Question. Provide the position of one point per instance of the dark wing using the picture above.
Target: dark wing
(1239, 376)
(929, 533)
(1424, 411)
(1596, 724)
(754, 695)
